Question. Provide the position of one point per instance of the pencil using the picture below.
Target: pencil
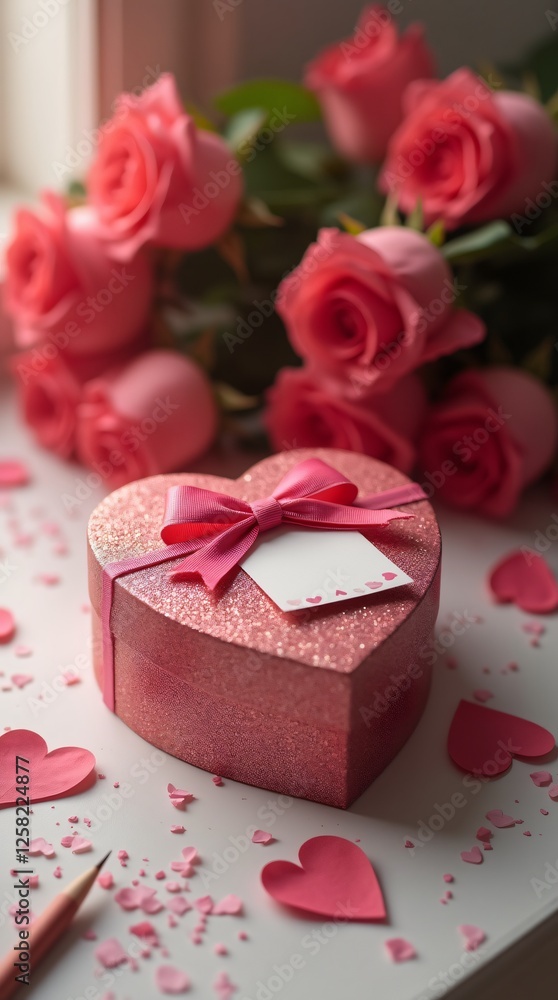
(44, 932)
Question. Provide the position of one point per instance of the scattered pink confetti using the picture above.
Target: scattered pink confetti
(499, 819)
(179, 905)
(105, 880)
(408, 844)
(110, 953)
(449, 878)
(73, 819)
(230, 904)
(526, 833)
(49, 579)
(173, 887)
(534, 627)
(530, 585)
(171, 981)
(242, 936)
(178, 829)
(513, 667)
(179, 797)
(223, 986)
(57, 872)
(482, 694)
(541, 777)
(479, 737)
(473, 857)
(132, 899)
(262, 837)
(160, 875)
(204, 904)
(7, 625)
(89, 935)
(544, 812)
(472, 936)
(553, 792)
(220, 949)
(78, 845)
(70, 677)
(152, 905)
(22, 650)
(13, 473)
(217, 780)
(483, 833)
(40, 846)
(20, 680)
(399, 950)
(146, 932)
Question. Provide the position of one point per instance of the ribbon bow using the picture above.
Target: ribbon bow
(215, 531)
(222, 529)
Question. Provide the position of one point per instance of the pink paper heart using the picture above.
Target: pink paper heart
(473, 857)
(335, 879)
(314, 600)
(484, 741)
(294, 604)
(389, 576)
(528, 582)
(65, 771)
(499, 819)
(340, 593)
(374, 584)
(358, 590)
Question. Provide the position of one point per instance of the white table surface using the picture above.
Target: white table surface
(351, 963)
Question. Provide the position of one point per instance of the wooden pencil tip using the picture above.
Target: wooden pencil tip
(101, 863)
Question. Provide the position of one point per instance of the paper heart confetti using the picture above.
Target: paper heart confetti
(335, 879)
(527, 581)
(484, 741)
(473, 857)
(65, 771)
(499, 819)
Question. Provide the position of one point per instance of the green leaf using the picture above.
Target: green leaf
(390, 215)
(311, 160)
(415, 219)
(242, 129)
(350, 225)
(280, 99)
(436, 233)
(479, 244)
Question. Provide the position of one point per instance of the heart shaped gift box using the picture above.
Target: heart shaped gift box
(312, 703)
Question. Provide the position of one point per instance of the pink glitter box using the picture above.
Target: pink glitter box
(312, 703)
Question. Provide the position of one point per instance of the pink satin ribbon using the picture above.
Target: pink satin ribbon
(216, 531)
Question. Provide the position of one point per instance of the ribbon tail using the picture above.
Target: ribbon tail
(216, 558)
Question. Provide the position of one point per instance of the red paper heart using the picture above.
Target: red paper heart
(336, 880)
(483, 741)
(527, 581)
(65, 771)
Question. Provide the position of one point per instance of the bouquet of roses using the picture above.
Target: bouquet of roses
(393, 293)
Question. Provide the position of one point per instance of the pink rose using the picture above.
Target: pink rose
(158, 178)
(305, 411)
(368, 309)
(48, 400)
(360, 83)
(156, 415)
(468, 153)
(495, 431)
(62, 286)
(49, 384)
